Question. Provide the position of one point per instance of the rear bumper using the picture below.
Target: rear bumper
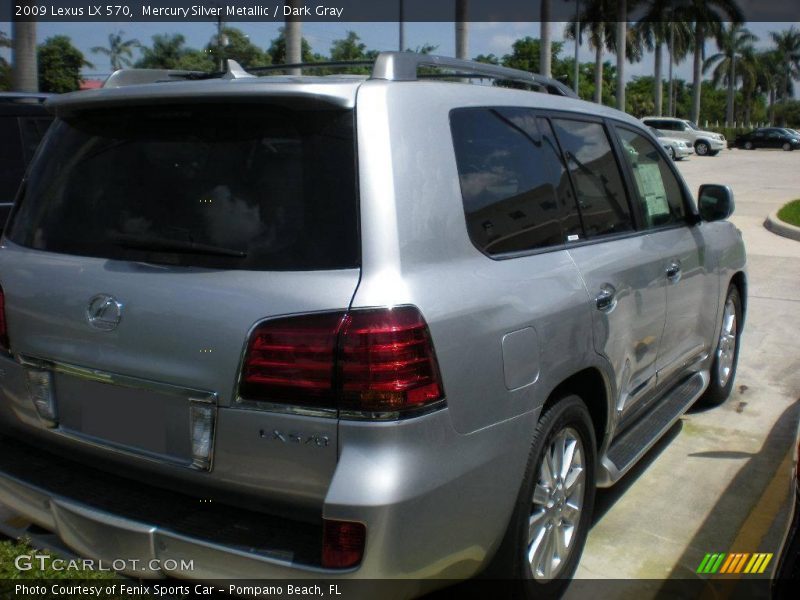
(435, 504)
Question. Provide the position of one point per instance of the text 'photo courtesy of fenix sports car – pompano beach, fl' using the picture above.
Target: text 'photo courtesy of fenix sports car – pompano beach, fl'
(360, 300)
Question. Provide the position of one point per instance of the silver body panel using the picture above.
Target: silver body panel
(507, 333)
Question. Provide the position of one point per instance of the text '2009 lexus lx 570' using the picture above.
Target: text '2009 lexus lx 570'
(393, 327)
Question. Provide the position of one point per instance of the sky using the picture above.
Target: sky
(484, 38)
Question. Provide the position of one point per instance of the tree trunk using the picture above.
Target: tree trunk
(659, 85)
(729, 117)
(462, 30)
(622, 31)
(294, 38)
(24, 76)
(544, 41)
(598, 72)
(401, 33)
(671, 90)
(697, 78)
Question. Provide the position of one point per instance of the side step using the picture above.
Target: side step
(626, 450)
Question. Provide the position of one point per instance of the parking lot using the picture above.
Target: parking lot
(719, 481)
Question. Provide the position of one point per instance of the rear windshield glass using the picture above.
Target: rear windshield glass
(218, 186)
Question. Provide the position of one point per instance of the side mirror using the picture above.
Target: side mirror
(715, 202)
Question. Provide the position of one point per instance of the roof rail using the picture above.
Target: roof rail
(391, 66)
(403, 66)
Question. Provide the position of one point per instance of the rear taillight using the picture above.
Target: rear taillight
(365, 361)
(291, 361)
(386, 361)
(3, 326)
(342, 544)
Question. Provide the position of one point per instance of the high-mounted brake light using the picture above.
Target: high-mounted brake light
(366, 361)
(3, 326)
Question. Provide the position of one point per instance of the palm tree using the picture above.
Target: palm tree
(679, 43)
(787, 44)
(294, 38)
(462, 29)
(596, 20)
(707, 16)
(769, 75)
(545, 50)
(733, 41)
(655, 30)
(119, 53)
(621, 42)
(24, 75)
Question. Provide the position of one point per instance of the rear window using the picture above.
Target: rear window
(217, 186)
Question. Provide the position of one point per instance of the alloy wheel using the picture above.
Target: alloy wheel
(701, 148)
(726, 348)
(558, 499)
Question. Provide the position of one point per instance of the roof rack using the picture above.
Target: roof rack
(404, 66)
(390, 66)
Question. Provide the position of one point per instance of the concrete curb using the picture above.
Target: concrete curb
(775, 225)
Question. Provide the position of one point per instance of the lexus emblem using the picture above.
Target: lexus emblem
(104, 312)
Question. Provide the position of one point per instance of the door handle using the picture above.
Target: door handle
(674, 272)
(606, 298)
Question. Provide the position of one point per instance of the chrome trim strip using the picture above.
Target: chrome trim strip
(285, 409)
(396, 415)
(101, 376)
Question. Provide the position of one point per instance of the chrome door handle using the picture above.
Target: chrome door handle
(674, 272)
(606, 299)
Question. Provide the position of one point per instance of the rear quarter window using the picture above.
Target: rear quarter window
(513, 182)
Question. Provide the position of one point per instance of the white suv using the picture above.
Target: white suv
(706, 143)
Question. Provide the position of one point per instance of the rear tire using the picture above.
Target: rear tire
(545, 537)
(726, 354)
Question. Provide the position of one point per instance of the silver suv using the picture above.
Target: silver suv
(705, 143)
(344, 326)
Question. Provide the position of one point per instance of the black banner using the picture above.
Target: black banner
(335, 11)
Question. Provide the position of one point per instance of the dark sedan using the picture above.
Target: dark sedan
(768, 137)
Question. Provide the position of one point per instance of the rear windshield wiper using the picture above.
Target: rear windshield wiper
(168, 245)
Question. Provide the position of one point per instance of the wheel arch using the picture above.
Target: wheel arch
(739, 279)
(593, 388)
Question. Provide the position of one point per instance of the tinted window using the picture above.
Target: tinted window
(601, 196)
(513, 182)
(657, 189)
(234, 187)
(12, 160)
(33, 130)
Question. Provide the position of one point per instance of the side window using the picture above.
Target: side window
(11, 159)
(33, 130)
(512, 179)
(602, 201)
(658, 191)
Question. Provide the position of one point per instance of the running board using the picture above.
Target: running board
(626, 450)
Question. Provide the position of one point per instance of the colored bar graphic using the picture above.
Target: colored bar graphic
(734, 563)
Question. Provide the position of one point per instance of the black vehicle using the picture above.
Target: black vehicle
(768, 137)
(786, 576)
(23, 122)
